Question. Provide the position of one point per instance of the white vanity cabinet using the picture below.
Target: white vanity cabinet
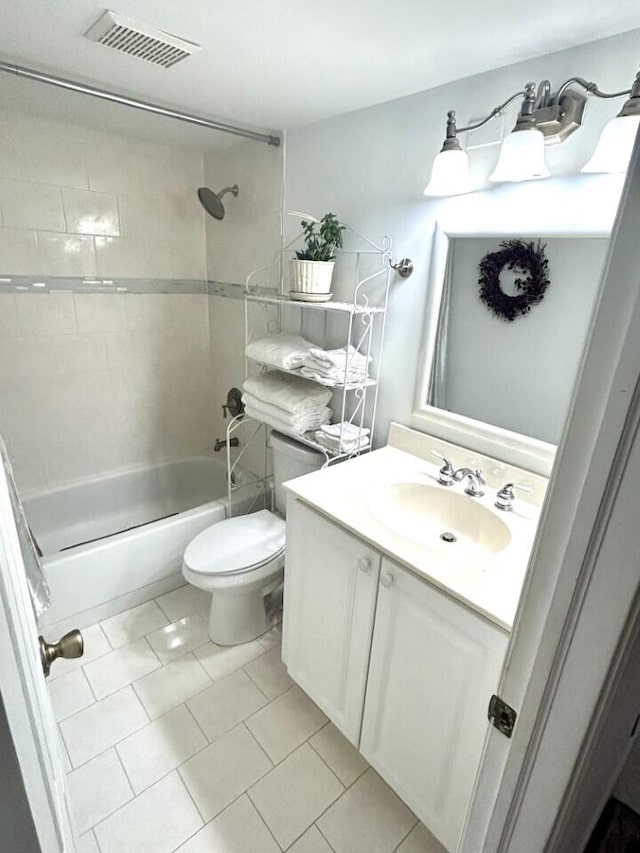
(434, 666)
(405, 671)
(331, 584)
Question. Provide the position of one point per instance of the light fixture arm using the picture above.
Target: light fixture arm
(495, 112)
(593, 89)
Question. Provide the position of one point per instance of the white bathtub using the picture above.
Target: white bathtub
(112, 543)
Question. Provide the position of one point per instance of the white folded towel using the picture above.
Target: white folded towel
(291, 393)
(345, 446)
(285, 351)
(345, 364)
(334, 377)
(341, 357)
(343, 437)
(296, 425)
(345, 429)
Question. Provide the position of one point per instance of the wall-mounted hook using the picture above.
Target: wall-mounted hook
(404, 268)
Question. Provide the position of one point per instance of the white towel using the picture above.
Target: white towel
(339, 358)
(285, 351)
(336, 366)
(291, 426)
(343, 437)
(335, 377)
(347, 445)
(345, 429)
(291, 393)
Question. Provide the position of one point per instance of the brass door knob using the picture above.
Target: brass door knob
(70, 646)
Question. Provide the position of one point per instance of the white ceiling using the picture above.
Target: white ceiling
(272, 64)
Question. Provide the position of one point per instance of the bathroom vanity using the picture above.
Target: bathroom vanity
(399, 635)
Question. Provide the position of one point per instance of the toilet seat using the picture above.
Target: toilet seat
(236, 545)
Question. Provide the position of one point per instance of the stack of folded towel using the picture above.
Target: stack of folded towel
(343, 438)
(345, 364)
(284, 351)
(287, 403)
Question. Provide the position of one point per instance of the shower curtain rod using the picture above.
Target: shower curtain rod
(62, 83)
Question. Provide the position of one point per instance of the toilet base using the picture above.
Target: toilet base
(239, 615)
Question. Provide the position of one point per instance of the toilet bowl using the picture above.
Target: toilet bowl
(240, 561)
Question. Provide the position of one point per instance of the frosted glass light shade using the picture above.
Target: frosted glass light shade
(615, 145)
(450, 174)
(521, 157)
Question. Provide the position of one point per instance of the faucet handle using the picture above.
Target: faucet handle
(505, 496)
(446, 473)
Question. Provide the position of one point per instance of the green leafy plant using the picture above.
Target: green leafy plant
(321, 245)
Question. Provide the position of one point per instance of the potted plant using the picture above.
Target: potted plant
(312, 268)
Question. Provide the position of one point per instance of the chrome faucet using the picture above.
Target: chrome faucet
(446, 473)
(505, 497)
(476, 481)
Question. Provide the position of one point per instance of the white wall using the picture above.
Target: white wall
(370, 167)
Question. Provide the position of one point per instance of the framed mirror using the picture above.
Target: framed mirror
(498, 386)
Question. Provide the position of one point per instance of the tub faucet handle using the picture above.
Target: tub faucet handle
(447, 472)
(234, 405)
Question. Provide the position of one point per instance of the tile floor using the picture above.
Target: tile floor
(175, 744)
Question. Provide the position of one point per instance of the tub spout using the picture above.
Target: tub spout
(233, 442)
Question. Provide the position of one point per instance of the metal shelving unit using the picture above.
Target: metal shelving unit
(364, 322)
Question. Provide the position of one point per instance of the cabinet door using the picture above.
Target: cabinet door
(434, 666)
(330, 589)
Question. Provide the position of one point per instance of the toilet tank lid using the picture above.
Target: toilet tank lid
(236, 544)
(284, 443)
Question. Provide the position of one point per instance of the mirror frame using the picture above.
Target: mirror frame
(511, 447)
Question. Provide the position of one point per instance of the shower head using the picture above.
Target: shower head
(212, 202)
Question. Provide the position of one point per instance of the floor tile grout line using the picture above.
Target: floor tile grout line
(176, 770)
(106, 817)
(260, 747)
(329, 845)
(199, 727)
(113, 746)
(342, 793)
(187, 699)
(329, 767)
(332, 803)
(268, 828)
(402, 840)
(124, 770)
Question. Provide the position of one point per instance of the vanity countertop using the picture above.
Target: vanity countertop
(349, 493)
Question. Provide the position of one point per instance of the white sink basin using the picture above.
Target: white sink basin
(438, 518)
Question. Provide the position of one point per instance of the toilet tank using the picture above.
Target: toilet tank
(291, 459)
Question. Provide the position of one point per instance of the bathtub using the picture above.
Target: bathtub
(114, 542)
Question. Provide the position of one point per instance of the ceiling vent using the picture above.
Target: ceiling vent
(139, 40)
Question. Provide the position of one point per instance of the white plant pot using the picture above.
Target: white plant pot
(310, 281)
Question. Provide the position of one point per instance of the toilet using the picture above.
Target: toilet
(240, 561)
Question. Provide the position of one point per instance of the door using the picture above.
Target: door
(572, 619)
(25, 695)
(331, 583)
(433, 662)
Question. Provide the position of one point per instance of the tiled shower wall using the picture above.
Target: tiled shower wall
(90, 383)
(81, 202)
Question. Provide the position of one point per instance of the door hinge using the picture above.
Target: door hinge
(502, 716)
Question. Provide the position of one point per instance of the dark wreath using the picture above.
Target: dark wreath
(514, 254)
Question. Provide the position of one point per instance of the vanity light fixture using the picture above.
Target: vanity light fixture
(545, 118)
